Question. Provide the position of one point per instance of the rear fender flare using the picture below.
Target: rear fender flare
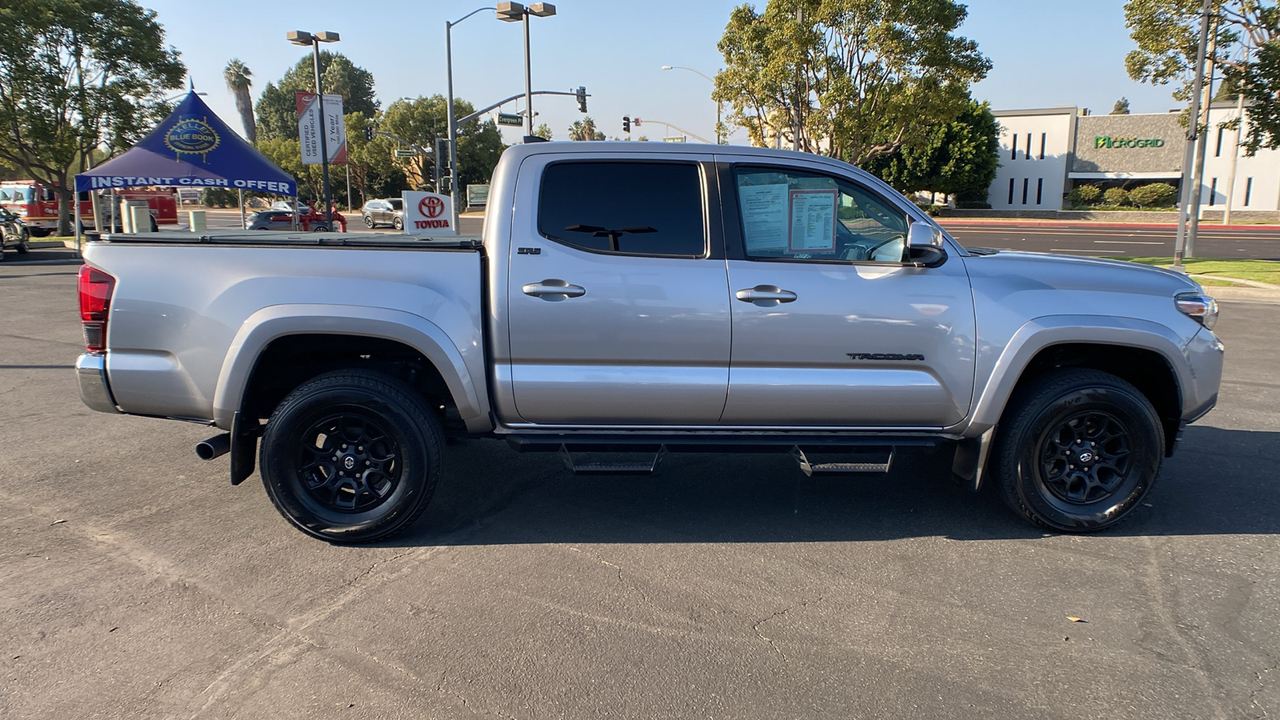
(271, 323)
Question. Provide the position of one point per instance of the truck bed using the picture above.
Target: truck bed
(267, 238)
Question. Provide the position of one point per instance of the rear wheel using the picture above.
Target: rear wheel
(1078, 450)
(368, 221)
(352, 456)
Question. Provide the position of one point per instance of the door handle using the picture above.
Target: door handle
(554, 290)
(766, 295)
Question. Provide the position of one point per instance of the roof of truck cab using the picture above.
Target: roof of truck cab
(659, 148)
(606, 149)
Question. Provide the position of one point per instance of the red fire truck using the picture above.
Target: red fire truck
(38, 204)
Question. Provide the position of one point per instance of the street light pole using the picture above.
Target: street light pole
(452, 120)
(299, 37)
(515, 12)
(719, 139)
(1188, 156)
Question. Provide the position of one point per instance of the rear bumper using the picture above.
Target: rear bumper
(91, 372)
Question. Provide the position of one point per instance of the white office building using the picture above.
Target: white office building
(1045, 152)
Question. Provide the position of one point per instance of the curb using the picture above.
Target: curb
(1244, 294)
(1099, 224)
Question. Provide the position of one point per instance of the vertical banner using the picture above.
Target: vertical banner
(310, 127)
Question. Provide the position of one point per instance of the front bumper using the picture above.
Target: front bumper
(91, 372)
(1204, 356)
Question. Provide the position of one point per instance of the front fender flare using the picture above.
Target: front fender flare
(277, 321)
(1043, 332)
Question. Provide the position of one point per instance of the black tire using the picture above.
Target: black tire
(1077, 450)
(367, 420)
(154, 226)
(23, 239)
(319, 227)
(368, 221)
(397, 223)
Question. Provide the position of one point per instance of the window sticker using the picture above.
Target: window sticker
(813, 221)
(764, 217)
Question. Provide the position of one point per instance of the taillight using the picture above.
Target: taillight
(95, 299)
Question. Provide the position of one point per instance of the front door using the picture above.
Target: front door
(830, 326)
(618, 313)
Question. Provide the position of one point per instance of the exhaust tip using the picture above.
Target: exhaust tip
(214, 447)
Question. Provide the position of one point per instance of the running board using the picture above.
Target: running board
(811, 468)
(581, 467)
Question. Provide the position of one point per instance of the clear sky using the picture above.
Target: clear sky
(1044, 53)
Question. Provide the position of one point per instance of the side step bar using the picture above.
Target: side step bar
(579, 466)
(872, 464)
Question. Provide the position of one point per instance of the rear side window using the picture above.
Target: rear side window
(624, 207)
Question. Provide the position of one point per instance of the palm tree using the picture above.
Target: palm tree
(238, 80)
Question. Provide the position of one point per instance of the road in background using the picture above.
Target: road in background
(1109, 239)
(137, 582)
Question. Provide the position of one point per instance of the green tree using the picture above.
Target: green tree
(1121, 107)
(239, 79)
(76, 74)
(543, 131)
(278, 109)
(956, 158)
(422, 120)
(374, 170)
(1167, 35)
(853, 79)
(585, 129)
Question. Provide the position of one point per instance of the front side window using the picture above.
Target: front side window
(639, 208)
(797, 215)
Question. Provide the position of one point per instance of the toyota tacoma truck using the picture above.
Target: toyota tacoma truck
(649, 298)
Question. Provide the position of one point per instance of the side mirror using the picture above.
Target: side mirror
(922, 234)
(924, 245)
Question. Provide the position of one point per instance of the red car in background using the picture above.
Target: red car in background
(311, 221)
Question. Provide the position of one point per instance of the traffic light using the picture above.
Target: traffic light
(626, 124)
(368, 132)
(582, 99)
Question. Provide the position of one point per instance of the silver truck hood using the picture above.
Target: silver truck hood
(1062, 272)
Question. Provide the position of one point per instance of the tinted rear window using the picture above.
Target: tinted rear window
(626, 207)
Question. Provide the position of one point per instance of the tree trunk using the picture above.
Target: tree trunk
(64, 210)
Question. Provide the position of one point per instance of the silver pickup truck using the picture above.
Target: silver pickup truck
(632, 297)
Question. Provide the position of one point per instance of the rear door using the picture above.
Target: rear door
(617, 296)
(830, 326)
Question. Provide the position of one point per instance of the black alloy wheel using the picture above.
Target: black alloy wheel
(1077, 450)
(352, 456)
(1085, 458)
(348, 461)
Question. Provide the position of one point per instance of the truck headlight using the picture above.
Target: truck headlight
(1199, 306)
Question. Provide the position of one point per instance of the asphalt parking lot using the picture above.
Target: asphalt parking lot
(135, 582)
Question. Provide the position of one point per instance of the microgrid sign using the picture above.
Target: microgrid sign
(428, 214)
(1106, 141)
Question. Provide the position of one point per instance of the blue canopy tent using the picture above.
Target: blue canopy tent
(191, 148)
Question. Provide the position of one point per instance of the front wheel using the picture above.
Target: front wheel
(1078, 450)
(352, 456)
(398, 223)
(23, 238)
